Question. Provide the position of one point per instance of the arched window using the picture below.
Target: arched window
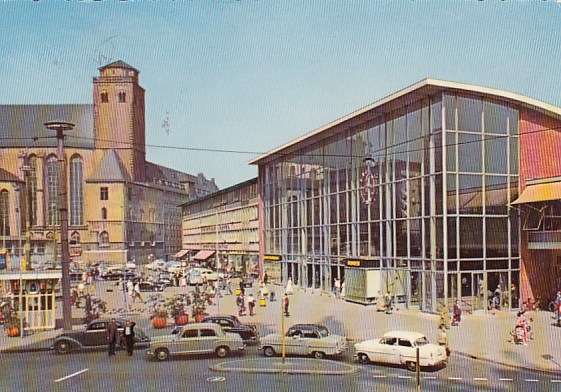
(122, 97)
(32, 189)
(75, 238)
(76, 191)
(104, 97)
(5, 212)
(104, 213)
(53, 217)
(104, 239)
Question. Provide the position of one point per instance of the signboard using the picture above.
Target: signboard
(363, 263)
(272, 258)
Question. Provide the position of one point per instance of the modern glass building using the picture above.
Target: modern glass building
(416, 187)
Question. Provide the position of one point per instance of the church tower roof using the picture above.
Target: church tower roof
(110, 169)
(119, 64)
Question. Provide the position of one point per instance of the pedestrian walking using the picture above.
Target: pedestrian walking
(265, 278)
(112, 335)
(129, 336)
(514, 296)
(343, 290)
(229, 286)
(137, 293)
(130, 289)
(286, 302)
(251, 304)
(337, 288)
(288, 290)
(457, 314)
(240, 302)
(442, 340)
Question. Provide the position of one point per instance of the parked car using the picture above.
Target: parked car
(164, 278)
(247, 281)
(116, 274)
(156, 265)
(151, 286)
(198, 338)
(399, 347)
(171, 264)
(94, 335)
(231, 323)
(305, 339)
(198, 275)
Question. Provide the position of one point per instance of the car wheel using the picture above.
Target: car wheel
(222, 351)
(411, 365)
(318, 354)
(363, 358)
(162, 354)
(269, 352)
(63, 347)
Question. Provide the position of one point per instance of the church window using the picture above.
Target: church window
(5, 212)
(104, 97)
(53, 213)
(76, 191)
(122, 97)
(104, 213)
(32, 184)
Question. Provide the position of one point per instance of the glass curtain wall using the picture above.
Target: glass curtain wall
(423, 190)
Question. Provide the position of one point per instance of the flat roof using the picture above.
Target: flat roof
(406, 96)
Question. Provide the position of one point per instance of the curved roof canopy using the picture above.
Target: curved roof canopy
(408, 95)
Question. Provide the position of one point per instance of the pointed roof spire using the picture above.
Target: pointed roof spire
(110, 169)
(119, 64)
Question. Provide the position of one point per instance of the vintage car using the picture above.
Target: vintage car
(231, 323)
(305, 339)
(94, 336)
(198, 338)
(399, 347)
(151, 286)
(247, 281)
(199, 275)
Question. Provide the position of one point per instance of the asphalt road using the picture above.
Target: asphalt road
(95, 371)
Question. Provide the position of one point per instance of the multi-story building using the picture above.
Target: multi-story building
(442, 190)
(120, 206)
(223, 227)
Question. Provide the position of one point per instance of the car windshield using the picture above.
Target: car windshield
(421, 341)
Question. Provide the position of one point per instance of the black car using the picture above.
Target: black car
(230, 323)
(95, 336)
(151, 286)
(247, 281)
(119, 274)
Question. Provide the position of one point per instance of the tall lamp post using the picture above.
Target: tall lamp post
(26, 169)
(60, 127)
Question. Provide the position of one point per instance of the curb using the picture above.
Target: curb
(488, 360)
(223, 367)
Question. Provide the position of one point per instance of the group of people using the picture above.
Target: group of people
(113, 336)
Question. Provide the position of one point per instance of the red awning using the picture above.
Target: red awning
(203, 254)
(181, 253)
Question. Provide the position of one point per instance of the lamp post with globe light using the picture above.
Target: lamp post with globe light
(60, 127)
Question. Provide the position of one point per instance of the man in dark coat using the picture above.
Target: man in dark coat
(129, 336)
(112, 335)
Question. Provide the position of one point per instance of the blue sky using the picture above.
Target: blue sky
(249, 76)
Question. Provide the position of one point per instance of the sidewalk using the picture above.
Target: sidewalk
(481, 336)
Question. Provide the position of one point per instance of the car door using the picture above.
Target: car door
(406, 351)
(388, 351)
(310, 342)
(208, 340)
(294, 342)
(95, 334)
(187, 342)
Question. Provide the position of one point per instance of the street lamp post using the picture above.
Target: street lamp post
(60, 127)
(27, 206)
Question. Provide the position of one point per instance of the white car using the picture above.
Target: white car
(198, 275)
(156, 265)
(400, 347)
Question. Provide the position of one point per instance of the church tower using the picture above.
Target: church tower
(119, 120)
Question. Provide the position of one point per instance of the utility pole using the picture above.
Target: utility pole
(60, 127)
